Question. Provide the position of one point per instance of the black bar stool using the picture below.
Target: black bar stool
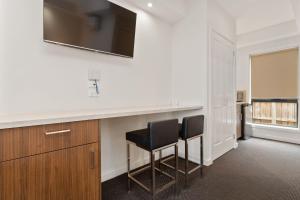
(191, 128)
(158, 136)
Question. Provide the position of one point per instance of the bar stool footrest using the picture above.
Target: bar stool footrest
(133, 173)
(163, 162)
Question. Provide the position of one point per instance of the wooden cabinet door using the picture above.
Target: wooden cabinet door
(71, 174)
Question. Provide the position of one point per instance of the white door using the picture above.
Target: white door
(222, 95)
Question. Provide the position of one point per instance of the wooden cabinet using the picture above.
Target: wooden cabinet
(62, 165)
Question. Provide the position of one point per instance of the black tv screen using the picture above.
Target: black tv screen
(97, 25)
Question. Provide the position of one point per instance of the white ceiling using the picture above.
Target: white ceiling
(168, 10)
(252, 15)
(236, 8)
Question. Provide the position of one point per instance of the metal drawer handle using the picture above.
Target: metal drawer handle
(58, 132)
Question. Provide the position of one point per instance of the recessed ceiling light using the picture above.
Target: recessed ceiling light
(150, 5)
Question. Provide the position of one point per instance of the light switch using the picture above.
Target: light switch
(94, 88)
(94, 77)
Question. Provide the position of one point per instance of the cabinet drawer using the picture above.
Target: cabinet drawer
(27, 141)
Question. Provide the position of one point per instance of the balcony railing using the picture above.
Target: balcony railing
(277, 112)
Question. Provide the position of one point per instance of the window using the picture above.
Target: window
(277, 112)
(274, 88)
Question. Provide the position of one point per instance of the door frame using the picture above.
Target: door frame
(211, 33)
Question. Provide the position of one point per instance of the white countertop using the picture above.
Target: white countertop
(14, 121)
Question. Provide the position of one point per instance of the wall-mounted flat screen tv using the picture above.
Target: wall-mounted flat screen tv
(96, 25)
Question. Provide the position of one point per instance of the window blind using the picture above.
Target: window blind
(275, 75)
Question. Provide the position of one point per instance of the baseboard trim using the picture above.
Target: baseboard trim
(236, 145)
(117, 172)
(278, 139)
(208, 162)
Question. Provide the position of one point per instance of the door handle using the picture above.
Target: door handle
(58, 132)
(92, 160)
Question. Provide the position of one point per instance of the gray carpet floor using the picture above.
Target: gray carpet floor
(257, 170)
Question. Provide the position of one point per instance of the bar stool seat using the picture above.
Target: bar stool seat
(158, 136)
(140, 138)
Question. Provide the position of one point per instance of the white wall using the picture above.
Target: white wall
(220, 21)
(170, 65)
(189, 55)
(276, 32)
(296, 7)
(42, 77)
(189, 58)
(36, 77)
(2, 39)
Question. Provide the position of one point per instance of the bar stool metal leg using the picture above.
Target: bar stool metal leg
(153, 174)
(160, 156)
(201, 155)
(176, 169)
(186, 162)
(153, 189)
(128, 166)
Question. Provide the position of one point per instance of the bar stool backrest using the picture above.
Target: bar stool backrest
(192, 126)
(163, 133)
